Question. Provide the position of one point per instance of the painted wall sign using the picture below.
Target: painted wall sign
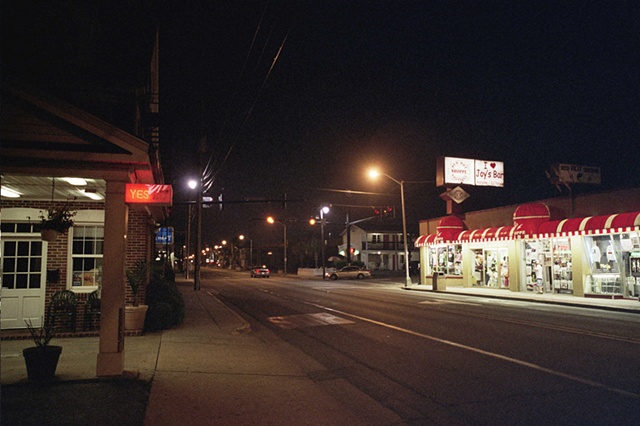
(466, 171)
(139, 193)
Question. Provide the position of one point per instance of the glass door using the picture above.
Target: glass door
(23, 283)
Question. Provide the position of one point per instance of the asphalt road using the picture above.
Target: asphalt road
(434, 358)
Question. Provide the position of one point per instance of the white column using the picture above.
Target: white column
(111, 355)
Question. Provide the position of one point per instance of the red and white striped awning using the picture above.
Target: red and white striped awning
(475, 235)
(592, 225)
(425, 240)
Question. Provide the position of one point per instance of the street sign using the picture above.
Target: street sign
(458, 194)
(164, 236)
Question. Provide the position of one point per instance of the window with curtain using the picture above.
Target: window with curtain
(86, 256)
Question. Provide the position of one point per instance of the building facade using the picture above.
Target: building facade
(77, 142)
(379, 245)
(587, 256)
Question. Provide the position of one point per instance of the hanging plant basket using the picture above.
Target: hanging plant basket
(55, 221)
(49, 234)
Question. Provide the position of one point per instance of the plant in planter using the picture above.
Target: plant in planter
(42, 359)
(55, 221)
(135, 315)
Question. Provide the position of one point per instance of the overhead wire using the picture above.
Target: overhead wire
(255, 101)
(209, 176)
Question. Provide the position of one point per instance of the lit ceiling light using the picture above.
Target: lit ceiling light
(75, 181)
(9, 193)
(91, 193)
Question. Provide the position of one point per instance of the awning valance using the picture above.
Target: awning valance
(607, 224)
(592, 225)
(425, 240)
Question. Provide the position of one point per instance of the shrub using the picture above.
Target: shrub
(166, 306)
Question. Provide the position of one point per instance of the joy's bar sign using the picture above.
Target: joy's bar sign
(465, 171)
(139, 193)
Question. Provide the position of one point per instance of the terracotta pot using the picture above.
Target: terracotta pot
(49, 234)
(134, 317)
(41, 362)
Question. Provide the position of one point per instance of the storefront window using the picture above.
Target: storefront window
(562, 275)
(86, 256)
(495, 267)
(445, 259)
(612, 259)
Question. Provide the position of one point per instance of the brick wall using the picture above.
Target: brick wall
(139, 246)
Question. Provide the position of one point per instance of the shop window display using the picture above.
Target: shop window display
(491, 267)
(446, 259)
(562, 274)
(535, 254)
(610, 259)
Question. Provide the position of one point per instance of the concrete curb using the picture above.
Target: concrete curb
(574, 304)
(245, 327)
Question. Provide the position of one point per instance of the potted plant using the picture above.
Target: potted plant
(42, 359)
(55, 221)
(135, 314)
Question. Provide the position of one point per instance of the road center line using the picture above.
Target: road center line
(486, 353)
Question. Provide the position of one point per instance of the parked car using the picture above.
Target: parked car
(349, 272)
(260, 271)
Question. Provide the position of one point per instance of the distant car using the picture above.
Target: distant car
(259, 272)
(349, 272)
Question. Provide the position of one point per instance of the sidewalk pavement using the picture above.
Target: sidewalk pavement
(565, 299)
(212, 369)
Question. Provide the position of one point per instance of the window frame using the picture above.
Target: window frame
(71, 257)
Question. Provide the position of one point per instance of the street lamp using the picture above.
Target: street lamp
(196, 184)
(323, 211)
(271, 220)
(193, 184)
(242, 237)
(373, 174)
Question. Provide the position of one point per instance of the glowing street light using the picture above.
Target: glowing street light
(242, 237)
(374, 174)
(324, 210)
(271, 220)
(196, 185)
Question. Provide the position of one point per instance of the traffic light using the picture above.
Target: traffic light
(389, 212)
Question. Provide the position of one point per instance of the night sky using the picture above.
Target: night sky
(389, 83)
(397, 84)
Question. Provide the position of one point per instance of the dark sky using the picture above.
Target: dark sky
(397, 84)
(359, 82)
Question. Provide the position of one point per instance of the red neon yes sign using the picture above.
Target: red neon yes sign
(139, 193)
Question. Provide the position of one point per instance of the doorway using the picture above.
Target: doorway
(23, 282)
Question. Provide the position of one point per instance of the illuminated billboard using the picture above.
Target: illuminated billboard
(465, 171)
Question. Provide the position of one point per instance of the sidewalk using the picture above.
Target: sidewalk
(618, 305)
(210, 370)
